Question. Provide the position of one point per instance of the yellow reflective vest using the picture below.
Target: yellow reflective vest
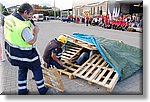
(18, 51)
(13, 31)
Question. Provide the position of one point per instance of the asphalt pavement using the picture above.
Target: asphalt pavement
(51, 29)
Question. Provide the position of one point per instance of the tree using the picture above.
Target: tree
(51, 13)
(57, 13)
(1, 7)
(3, 10)
(45, 7)
(46, 13)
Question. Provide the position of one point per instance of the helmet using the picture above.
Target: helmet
(62, 39)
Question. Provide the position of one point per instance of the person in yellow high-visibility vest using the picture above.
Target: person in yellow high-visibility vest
(20, 48)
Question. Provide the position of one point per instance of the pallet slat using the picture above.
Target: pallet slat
(106, 78)
(84, 64)
(81, 43)
(95, 66)
(52, 78)
(88, 65)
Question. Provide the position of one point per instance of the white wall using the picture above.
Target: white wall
(84, 2)
(130, 1)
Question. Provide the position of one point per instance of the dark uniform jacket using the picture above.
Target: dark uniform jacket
(53, 46)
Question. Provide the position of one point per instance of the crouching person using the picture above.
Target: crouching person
(85, 55)
(53, 50)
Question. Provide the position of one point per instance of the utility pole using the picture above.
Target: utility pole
(54, 10)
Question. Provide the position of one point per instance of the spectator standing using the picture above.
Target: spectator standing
(87, 20)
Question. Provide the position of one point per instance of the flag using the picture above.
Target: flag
(113, 12)
(118, 13)
(109, 14)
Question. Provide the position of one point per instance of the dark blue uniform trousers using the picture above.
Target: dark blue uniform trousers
(22, 79)
(55, 63)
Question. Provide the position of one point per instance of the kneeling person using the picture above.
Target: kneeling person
(54, 49)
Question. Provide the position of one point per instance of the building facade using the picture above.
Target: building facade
(103, 7)
(89, 7)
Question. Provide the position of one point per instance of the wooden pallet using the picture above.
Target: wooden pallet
(70, 68)
(81, 43)
(71, 51)
(52, 78)
(96, 70)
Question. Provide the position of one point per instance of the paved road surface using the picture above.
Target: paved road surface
(52, 29)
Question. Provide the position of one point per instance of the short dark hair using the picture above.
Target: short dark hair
(25, 6)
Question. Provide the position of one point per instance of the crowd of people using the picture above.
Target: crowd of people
(124, 22)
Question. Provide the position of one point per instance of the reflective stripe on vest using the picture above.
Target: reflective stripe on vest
(21, 48)
(15, 53)
(21, 59)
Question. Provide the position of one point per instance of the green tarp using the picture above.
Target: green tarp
(125, 59)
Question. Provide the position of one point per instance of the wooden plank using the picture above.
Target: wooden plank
(70, 75)
(107, 65)
(70, 68)
(95, 66)
(70, 65)
(68, 62)
(100, 76)
(75, 55)
(68, 55)
(59, 89)
(45, 73)
(96, 73)
(71, 55)
(106, 78)
(74, 47)
(85, 69)
(108, 68)
(52, 71)
(70, 52)
(82, 43)
(75, 40)
(113, 81)
(84, 64)
(73, 50)
(64, 57)
(104, 63)
(52, 78)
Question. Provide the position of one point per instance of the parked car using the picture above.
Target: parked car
(52, 18)
(64, 19)
(38, 17)
(2, 19)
